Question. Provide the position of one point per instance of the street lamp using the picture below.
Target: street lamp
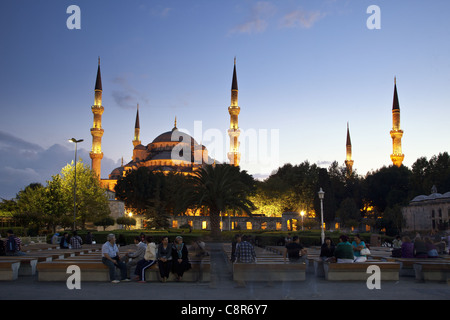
(321, 195)
(302, 213)
(73, 140)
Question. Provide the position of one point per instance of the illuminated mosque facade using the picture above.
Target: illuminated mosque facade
(178, 152)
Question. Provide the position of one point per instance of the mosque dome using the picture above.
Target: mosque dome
(174, 136)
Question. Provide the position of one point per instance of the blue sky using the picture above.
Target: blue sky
(305, 69)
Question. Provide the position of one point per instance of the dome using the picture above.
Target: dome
(173, 136)
(420, 198)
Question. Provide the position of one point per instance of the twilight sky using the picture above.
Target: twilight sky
(304, 68)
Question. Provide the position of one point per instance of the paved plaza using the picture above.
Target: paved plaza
(222, 287)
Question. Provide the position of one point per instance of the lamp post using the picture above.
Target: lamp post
(321, 195)
(302, 213)
(73, 140)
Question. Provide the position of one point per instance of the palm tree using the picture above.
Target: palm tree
(220, 187)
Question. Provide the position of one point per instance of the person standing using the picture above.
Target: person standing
(76, 241)
(234, 245)
(111, 258)
(245, 252)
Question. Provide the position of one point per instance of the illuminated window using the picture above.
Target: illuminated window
(174, 224)
(278, 226)
(204, 225)
(190, 223)
(264, 226)
(249, 225)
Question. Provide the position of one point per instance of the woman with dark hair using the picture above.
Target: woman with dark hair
(164, 257)
(180, 258)
(358, 244)
(327, 249)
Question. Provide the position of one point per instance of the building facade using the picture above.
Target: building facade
(427, 213)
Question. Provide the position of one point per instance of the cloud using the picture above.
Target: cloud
(257, 22)
(126, 96)
(300, 18)
(22, 163)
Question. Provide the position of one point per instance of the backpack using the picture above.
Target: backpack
(11, 244)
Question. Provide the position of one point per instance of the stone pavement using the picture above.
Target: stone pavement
(223, 288)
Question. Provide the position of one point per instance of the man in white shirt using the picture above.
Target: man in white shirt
(110, 257)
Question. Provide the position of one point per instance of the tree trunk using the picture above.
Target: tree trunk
(214, 218)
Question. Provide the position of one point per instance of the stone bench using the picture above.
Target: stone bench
(270, 266)
(27, 264)
(57, 270)
(358, 271)
(199, 272)
(92, 269)
(269, 271)
(407, 264)
(9, 270)
(432, 271)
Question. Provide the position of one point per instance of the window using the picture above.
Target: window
(174, 224)
(249, 225)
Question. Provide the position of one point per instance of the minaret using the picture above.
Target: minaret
(137, 129)
(396, 133)
(349, 161)
(234, 155)
(96, 131)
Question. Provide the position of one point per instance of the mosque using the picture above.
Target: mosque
(175, 151)
(171, 151)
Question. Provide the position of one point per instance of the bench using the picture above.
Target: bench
(407, 264)
(57, 270)
(27, 264)
(269, 271)
(9, 270)
(269, 267)
(358, 271)
(199, 272)
(432, 271)
(92, 269)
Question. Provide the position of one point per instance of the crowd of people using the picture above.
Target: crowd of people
(170, 258)
(419, 247)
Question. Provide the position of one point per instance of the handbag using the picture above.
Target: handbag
(365, 252)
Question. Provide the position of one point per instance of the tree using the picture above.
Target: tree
(126, 221)
(349, 213)
(104, 222)
(31, 204)
(152, 194)
(220, 187)
(91, 198)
